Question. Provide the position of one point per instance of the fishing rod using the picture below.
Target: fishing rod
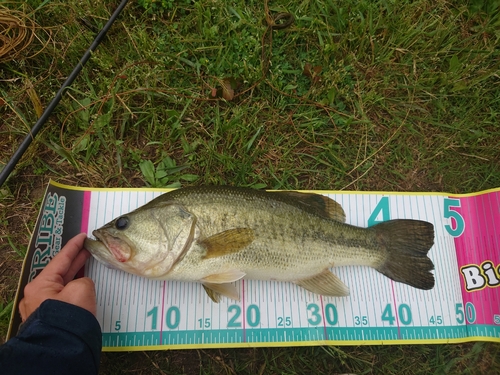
(9, 167)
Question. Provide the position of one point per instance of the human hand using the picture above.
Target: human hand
(56, 281)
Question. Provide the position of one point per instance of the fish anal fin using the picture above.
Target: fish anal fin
(215, 291)
(316, 204)
(326, 284)
(228, 242)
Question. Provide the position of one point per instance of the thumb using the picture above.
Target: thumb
(80, 292)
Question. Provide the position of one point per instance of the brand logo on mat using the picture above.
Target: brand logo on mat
(48, 240)
(479, 277)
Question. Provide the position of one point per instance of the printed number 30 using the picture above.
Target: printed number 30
(459, 227)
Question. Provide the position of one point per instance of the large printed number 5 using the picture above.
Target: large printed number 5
(459, 227)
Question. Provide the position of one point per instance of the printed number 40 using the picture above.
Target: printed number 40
(459, 227)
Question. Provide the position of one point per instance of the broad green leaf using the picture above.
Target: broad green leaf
(148, 171)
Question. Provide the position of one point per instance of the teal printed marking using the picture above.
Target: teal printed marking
(154, 316)
(404, 314)
(173, 317)
(253, 316)
(387, 315)
(470, 312)
(277, 335)
(282, 322)
(206, 325)
(236, 310)
(331, 315)
(436, 319)
(484, 330)
(381, 208)
(313, 314)
(361, 320)
(458, 228)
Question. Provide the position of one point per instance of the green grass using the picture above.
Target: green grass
(402, 96)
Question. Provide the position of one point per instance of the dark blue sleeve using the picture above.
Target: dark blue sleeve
(58, 338)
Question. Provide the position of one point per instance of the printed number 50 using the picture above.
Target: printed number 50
(459, 226)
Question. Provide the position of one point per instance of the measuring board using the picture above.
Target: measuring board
(140, 314)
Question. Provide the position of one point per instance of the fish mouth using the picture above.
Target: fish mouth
(98, 237)
(98, 250)
(118, 247)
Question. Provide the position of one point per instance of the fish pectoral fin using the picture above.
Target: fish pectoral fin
(326, 284)
(215, 291)
(227, 242)
(316, 204)
(224, 277)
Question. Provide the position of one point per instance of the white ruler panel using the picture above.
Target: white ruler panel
(135, 312)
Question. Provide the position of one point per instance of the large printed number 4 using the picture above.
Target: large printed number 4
(457, 225)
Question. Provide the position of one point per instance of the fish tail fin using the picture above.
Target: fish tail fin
(407, 243)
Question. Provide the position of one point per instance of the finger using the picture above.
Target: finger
(22, 310)
(80, 292)
(77, 264)
(62, 262)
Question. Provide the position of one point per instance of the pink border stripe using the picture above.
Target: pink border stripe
(396, 308)
(480, 242)
(325, 332)
(162, 310)
(244, 311)
(84, 225)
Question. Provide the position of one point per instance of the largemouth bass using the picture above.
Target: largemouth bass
(217, 235)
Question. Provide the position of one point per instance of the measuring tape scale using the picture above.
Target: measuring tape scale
(135, 312)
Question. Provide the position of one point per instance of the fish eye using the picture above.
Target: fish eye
(121, 223)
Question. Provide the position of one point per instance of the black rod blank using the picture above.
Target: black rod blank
(9, 167)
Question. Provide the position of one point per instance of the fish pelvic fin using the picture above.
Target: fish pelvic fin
(220, 284)
(325, 283)
(407, 243)
(215, 291)
(227, 242)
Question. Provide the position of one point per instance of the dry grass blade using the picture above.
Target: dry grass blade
(17, 32)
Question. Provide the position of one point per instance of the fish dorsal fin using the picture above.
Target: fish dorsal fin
(326, 284)
(224, 277)
(315, 204)
(227, 242)
(215, 291)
